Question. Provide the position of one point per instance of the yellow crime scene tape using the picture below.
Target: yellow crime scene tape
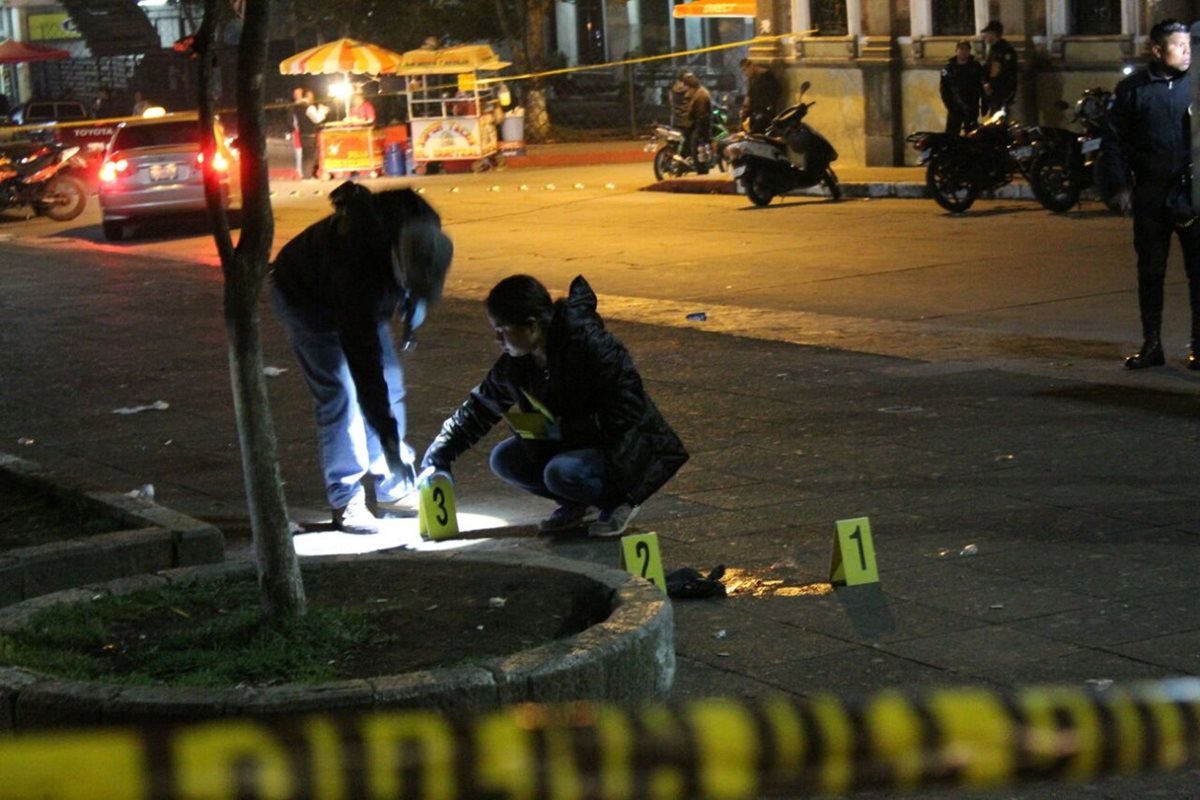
(645, 59)
(721, 748)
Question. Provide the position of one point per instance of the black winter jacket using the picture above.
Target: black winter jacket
(339, 270)
(1147, 143)
(1000, 72)
(593, 390)
(962, 86)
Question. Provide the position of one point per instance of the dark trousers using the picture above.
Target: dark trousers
(959, 121)
(575, 477)
(1152, 231)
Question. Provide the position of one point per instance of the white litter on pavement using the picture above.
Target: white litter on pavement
(157, 405)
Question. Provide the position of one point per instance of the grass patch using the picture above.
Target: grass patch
(198, 635)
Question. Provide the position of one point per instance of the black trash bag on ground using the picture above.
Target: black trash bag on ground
(688, 584)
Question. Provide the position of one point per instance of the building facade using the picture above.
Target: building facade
(874, 65)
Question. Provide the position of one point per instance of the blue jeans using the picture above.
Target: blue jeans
(568, 477)
(350, 448)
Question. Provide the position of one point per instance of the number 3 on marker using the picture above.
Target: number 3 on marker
(438, 518)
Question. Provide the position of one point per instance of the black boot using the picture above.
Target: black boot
(1150, 355)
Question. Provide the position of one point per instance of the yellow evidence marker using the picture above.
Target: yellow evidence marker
(437, 517)
(640, 556)
(853, 560)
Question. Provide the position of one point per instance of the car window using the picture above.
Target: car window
(166, 133)
(39, 111)
(70, 111)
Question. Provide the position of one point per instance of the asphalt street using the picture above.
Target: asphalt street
(956, 380)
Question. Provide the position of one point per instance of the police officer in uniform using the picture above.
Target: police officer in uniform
(961, 87)
(1000, 70)
(1146, 155)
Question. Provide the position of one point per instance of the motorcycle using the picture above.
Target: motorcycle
(789, 155)
(667, 144)
(37, 175)
(960, 168)
(1066, 165)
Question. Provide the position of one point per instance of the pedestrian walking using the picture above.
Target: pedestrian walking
(1147, 164)
(304, 133)
(1000, 70)
(763, 91)
(961, 89)
(585, 433)
(336, 286)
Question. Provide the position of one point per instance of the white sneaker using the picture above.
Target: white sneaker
(355, 517)
(407, 506)
(613, 522)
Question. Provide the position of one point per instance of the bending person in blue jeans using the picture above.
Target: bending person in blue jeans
(585, 433)
(336, 287)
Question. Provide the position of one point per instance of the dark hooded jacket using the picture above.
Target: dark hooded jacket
(594, 391)
(341, 273)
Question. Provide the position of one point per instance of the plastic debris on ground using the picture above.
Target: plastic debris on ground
(497, 602)
(969, 550)
(157, 405)
(144, 492)
(274, 372)
(697, 316)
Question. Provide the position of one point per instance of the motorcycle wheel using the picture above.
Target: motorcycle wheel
(1054, 184)
(63, 199)
(948, 185)
(831, 183)
(756, 188)
(664, 159)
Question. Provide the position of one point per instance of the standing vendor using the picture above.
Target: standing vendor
(361, 111)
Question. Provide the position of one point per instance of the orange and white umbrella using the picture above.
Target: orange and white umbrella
(344, 55)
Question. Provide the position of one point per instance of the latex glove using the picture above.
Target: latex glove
(400, 467)
(1122, 201)
(431, 471)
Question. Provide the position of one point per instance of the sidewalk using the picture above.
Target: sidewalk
(1028, 529)
(856, 181)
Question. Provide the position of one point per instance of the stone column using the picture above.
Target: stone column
(879, 59)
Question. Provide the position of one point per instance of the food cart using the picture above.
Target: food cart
(453, 110)
(344, 147)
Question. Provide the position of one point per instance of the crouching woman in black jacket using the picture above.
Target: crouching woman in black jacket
(585, 433)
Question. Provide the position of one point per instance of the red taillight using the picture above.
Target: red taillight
(219, 162)
(111, 170)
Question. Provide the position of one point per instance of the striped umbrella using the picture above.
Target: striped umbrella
(344, 55)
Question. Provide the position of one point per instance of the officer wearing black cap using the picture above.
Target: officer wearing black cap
(999, 71)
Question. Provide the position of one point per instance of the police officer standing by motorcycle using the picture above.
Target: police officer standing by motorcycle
(1146, 158)
(961, 87)
(1000, 70)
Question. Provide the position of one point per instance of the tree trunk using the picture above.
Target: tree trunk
(537, 115)
(281, 589)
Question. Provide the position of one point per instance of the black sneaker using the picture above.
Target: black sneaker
(564, 518)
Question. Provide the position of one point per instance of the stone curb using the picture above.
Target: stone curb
(627, 658)
(157, 538)
(872, 189)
